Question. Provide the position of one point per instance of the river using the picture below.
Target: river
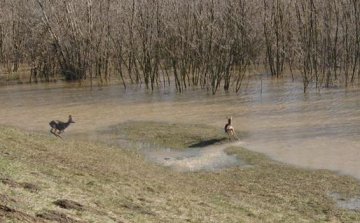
(318, 130)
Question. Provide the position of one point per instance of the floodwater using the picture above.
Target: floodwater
(315, 130)
(207, 159)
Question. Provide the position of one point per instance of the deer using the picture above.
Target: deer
(60, 126)
(229, 129)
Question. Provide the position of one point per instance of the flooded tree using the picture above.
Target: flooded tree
(211, 44)
(275, 28)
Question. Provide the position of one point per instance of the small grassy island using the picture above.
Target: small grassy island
(46, 179)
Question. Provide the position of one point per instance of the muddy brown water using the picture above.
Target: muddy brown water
(315, 130)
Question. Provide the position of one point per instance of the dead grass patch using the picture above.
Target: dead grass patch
(69, 204)
(114, 184)
(28, 186)
(8, 214)
(57, 217)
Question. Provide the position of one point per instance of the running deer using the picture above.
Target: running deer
(229, 129)
(60, 126)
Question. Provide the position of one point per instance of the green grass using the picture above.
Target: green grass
(117, 184)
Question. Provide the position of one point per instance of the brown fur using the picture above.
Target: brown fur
(229, 129)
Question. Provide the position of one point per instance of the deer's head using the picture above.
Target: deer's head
(229, 119)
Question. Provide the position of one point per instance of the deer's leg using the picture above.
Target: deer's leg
(60, 131)
(235, 136)
(57, 134)
(229, 134)
(53, 131)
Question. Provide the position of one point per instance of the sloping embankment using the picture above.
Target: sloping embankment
(46, 179)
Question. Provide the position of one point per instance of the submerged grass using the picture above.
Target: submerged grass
(176, 136)
(115, 184)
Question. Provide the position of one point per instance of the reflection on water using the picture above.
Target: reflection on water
(317, 130)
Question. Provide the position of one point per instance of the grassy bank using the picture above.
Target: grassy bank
(46, 179)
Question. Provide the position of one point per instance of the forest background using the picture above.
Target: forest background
(211, 44)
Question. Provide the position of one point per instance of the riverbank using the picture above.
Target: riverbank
(43, 178)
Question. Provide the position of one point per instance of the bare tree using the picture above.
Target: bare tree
(205, 43)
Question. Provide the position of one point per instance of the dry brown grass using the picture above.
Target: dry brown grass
(115, 184)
